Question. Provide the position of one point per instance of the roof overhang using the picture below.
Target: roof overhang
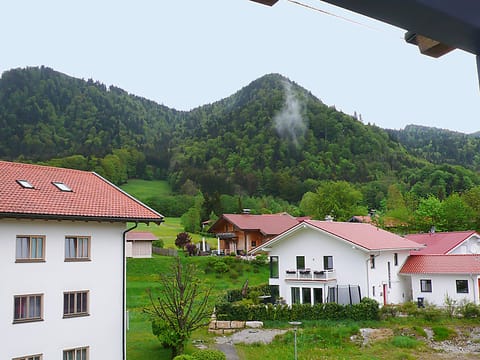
(79, 218)
(266, 2)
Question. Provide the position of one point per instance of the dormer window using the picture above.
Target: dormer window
(61, 186)
(25, 184)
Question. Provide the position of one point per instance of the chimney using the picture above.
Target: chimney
(329, 218)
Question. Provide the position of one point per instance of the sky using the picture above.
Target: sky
(188, 53)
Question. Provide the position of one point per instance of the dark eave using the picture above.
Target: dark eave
(79, 218)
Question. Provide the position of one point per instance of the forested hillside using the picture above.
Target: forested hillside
(440, 146)
(271, 138)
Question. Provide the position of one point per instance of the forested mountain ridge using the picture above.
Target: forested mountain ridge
(440, 146)
(270, 138)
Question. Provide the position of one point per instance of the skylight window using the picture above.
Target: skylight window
(25, 184)
(61, 186)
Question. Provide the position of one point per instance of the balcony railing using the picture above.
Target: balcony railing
(309, 274)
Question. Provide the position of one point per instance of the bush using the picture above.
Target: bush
(469, 310)
(158, 243)
(366, 310)
(184, 357)
(209, 355)
(388, 311)
(441, 333)
(405, 342)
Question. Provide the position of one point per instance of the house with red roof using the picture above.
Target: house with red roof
(447, 243)
(326, 261)
(63, 262)
(139, 244)
(241, 233)
(448, 266)
(435, 278)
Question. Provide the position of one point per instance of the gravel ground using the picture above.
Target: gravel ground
(250, 336)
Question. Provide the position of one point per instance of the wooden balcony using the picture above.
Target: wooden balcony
(310, 275)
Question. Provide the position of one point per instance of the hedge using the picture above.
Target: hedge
(367, 309)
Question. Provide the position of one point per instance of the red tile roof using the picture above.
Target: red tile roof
(364, 235)
(439, 243)
(267, 224)
(442, 264)
(141, 235)
(92, 197)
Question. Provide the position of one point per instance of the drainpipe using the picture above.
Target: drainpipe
(124, 294)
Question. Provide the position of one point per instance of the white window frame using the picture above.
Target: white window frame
(24, 244)
(76, 353)
(76, 297)
(75, 249)
(30, 357)
(27, 298)
(425, 289)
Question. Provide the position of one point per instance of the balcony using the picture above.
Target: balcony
(310, 275)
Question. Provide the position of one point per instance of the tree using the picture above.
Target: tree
(182, 239)
(181, 308)
(337, 198)
(429, 213)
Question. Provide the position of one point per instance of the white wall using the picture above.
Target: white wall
(443, 285)
(102, 277)
(141, 249)
(398, 289)
(351, 264)
(469, 246)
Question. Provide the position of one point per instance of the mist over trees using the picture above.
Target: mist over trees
(272, 146)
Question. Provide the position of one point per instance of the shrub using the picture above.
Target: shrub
(405, 342)
(388, 311)
(409, 308)
(210, 354)
(158, 243)
(430, 312)
(441, 333)
(184, 357)
(469, 310)
(260, 259)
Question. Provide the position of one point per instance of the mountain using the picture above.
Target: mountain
(440, 146)
(272, 137)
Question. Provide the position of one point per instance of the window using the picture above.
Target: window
(317, 295)
(30, 248)
(61, 186)
(75, 303)
(76, 354)
(389, 275)
(372, 261)
(328, 262)
(295, 295)
(27, 308)
(25, 184)
(30, 357)
(425, 285)
(300, 262)
(254, 244)
(306, 296)
(274, 267)
(462, 286)
(395, 259)
(332, 291)
(77, 248)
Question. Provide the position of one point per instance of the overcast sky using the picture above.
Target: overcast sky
(187, 53)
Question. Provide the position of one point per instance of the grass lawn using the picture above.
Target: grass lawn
(168, 231)
(143, 274)
(144, 189)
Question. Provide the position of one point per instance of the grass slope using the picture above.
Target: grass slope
(143, 274)
(144, 189)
